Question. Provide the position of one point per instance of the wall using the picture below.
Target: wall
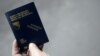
(73, 26)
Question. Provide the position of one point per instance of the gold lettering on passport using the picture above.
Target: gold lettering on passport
(34, 27)
(20, 15)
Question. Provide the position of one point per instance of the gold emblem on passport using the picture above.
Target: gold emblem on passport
(16, 25)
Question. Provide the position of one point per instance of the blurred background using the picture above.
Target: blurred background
(72, 26)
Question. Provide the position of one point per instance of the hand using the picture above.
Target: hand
(33, 50)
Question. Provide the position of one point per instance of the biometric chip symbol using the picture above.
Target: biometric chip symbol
(23, 41)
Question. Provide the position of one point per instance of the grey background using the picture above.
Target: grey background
(73, 26)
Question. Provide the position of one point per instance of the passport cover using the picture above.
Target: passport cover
(26, 25)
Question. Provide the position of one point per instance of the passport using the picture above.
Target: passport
(27, 26)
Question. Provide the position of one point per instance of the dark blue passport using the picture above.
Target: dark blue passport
(27, 26)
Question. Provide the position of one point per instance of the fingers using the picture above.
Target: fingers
(44, 54)
(33, 50)
(15, 49)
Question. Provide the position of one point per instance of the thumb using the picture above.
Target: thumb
(33, 50)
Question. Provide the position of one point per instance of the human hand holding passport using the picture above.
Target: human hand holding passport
(27, 26)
